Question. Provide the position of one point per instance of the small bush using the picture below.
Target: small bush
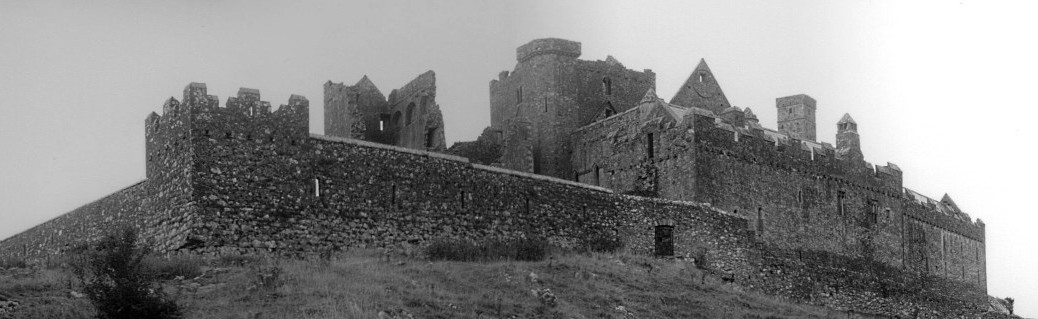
(116, 281)
(174, 266)
(10, 262)
(508, 249)
(267, 277)
(601, 244)
(236, 260)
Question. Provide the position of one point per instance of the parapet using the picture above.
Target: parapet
(799, 99)
(548, 46)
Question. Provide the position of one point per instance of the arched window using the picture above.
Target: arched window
(430, 137)
(607, 86)
(395, 122)
(609, 111)
(410, 113)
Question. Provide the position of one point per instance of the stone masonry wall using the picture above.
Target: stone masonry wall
(245, 179)
(161, 206)
(615, 153)
(557, 93)
(799, 202)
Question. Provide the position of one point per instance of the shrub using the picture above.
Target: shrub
(174, 266)
(601, 244)
(267, 277)
(236, 260)
(10, 262)
(497, 249)
(116, 281)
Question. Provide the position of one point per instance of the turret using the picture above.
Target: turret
(555, 46)
(848, 144)
(734, 116)
(796, 116)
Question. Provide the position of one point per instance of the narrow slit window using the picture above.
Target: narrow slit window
(650, 149)
(760, 221)
(463, 199)
(607, 86)
(317, 188)
(839, 202)
(430, 135)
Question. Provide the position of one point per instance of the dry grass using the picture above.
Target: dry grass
(361, 284)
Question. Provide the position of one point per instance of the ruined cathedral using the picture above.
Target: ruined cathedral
(577, 151)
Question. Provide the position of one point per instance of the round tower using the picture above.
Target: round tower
(538, 91)
(552, 46)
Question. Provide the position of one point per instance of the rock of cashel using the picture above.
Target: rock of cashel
(575, 150)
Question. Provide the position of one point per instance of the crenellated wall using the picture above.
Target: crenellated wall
(768, 213)
(797, 196)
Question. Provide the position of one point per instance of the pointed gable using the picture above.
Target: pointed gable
(650, 96)
(846, 119)
(946, 200)
(701, 90)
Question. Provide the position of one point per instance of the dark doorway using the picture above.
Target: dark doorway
(664, 240)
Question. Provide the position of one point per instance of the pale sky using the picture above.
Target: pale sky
(943, 89)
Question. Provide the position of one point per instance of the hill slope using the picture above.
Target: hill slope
(368, 285)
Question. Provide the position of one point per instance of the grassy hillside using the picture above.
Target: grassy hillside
(364, 284)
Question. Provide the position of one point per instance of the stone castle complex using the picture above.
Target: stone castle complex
(579, 151)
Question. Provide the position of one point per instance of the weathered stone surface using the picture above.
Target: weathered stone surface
(410, 117)
(766, 211)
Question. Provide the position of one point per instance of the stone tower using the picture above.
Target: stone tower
(848, 144)
(354, 111)
(796, 116)
(556, 93)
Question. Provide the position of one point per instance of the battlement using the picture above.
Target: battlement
(173, 137)
(799, 99)
(770, 148)
(773, 148)
(555, 46)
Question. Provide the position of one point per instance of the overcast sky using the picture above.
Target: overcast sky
(943, 89)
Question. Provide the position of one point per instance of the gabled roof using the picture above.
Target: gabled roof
(749, 114)
(948, 201)
(365, 81)
(701, 89)
(846, 119)
(650, 96)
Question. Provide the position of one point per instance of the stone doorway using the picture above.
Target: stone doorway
(664, 240)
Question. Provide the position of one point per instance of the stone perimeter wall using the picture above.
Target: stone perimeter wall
(257, 182)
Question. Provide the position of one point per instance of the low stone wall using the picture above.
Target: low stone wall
(138, 205)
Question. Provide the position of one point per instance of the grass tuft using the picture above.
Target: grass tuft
(491, 250)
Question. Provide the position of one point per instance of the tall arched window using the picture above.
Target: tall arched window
(395, 122)
(607, 86)
(410, 113)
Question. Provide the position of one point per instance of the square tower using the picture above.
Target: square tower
(796, 116)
